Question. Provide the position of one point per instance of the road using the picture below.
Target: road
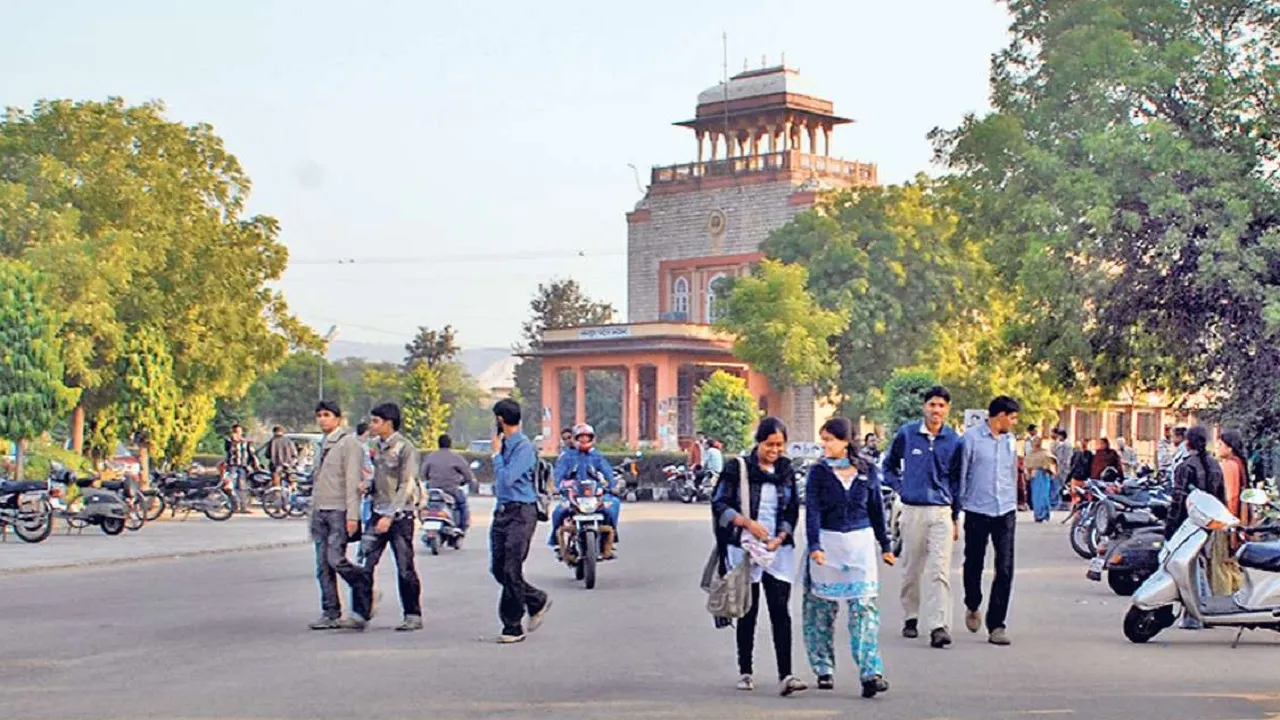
(224, 636)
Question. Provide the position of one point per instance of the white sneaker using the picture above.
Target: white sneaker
(746, 683)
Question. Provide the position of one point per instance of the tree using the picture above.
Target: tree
(289, 395)
(781, 330)
(139, 222)
(888, 260)
(726, 410)
(425, 414)
(1128, 179)
(903, 397)
(558, 304)
(148, 398)
(434, 347)
(32, 393)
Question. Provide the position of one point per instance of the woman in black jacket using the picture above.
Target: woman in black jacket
(767, 525)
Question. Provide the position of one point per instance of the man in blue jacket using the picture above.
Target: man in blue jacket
(582, 462)
(514, 520)
(923, 467)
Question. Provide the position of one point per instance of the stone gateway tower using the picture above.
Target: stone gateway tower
(763, 144)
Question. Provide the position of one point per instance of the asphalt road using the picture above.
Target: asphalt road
(225, 636)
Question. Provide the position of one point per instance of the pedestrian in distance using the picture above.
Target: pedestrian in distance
(989, 476)
(395, 496)
(1042, 466)
(847, 539)
(1062, 455)
(923, 467)
(763, 522)
(515, 517)
(282, 453)
(240, 460)
(335, 519)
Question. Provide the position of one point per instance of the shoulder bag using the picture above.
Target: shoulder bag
(729, 594)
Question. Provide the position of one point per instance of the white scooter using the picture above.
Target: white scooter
(1255, 606)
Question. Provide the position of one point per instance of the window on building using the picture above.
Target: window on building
(1124, 424)
(1146, 427)
(680, 296)
(715, 292)
(1087, 425)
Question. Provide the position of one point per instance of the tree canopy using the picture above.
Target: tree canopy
(1128, 180)
(557, 304)
(434, 347)
(725, 410)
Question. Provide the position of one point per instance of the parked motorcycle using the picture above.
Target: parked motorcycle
(1255, 606)
(439, 519)
(687, 485)
(79, 502)
(582, 537)
(1088, 533)
(1129, 561)
(292, 498)
(627, 474)
(194, 493)
(25, 507)
(893, 517)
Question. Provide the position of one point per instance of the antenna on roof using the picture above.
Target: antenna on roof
(784, 59)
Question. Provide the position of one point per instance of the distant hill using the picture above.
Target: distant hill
(476, 360)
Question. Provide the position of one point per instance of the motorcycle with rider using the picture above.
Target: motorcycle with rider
(580, 466)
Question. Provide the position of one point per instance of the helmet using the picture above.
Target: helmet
(583, 429)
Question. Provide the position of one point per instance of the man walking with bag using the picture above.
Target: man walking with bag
(923, 468)
(395, 494)
(514, 520)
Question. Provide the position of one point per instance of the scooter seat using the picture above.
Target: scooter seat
(1132, 501)
(13, 486)
(1260, 556)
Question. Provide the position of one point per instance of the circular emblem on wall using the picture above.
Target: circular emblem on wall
(716, 222)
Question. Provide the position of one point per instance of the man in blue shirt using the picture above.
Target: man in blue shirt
(989, 495)
(584, 462)
(514, 519)
(923, 467)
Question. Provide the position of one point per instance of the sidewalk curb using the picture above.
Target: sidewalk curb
(153, 556)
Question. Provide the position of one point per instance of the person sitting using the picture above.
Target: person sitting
(1105, 458)
(584, 462)
(448, 471)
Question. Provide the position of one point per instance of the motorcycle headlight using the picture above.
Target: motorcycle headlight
(588, 504)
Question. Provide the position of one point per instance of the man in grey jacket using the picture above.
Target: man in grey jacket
(335, 517)
(446, 470)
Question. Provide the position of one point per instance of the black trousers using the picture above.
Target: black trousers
(400, 537)
(329, 531)
(978, 529)
(777, 595)
(509, 538)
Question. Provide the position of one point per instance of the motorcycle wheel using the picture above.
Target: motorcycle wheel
(217, 506)
(1079, 538)
(590, 547)
(686, 496)
(1123, 583)
(112, 526)
(456, 542)
(274, 504)
(1142, 625)
(35, 529)
(297, 510)
(152, 505)
(433, 542)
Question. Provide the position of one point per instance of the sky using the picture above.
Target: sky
(461, 153)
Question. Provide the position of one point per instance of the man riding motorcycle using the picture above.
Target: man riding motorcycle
(582, 462)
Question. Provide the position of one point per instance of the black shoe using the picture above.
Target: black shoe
(874, 686)
(939, 638)
(826, 682)
(911, 629)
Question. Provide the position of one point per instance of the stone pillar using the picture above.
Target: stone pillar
(700, 138)
(549, 412)
(668, 410)
(826, 140)
(631, 406)
(813, 138)
(715, 146)
(580, 399)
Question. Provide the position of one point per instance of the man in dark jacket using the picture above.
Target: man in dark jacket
(923, 468)
(282, 454)
(1081, 464)
(446, 470)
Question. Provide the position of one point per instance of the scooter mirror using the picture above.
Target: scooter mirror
(1255, 496)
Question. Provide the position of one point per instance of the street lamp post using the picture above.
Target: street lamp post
(328, 338)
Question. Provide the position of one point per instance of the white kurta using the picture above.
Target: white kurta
(783, 562)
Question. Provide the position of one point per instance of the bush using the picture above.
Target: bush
(904, 398)
(725, 410)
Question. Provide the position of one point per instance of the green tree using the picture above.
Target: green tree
(903, 397)
(425, 414)
(781, 330)
(139, 222)
(726, 410)
(558, 304)
(288, 396)
(32, 394)
(889, 261)
(1127, 177)
(434, 347)
(148, 398)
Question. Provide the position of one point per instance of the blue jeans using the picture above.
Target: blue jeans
(612, 508)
